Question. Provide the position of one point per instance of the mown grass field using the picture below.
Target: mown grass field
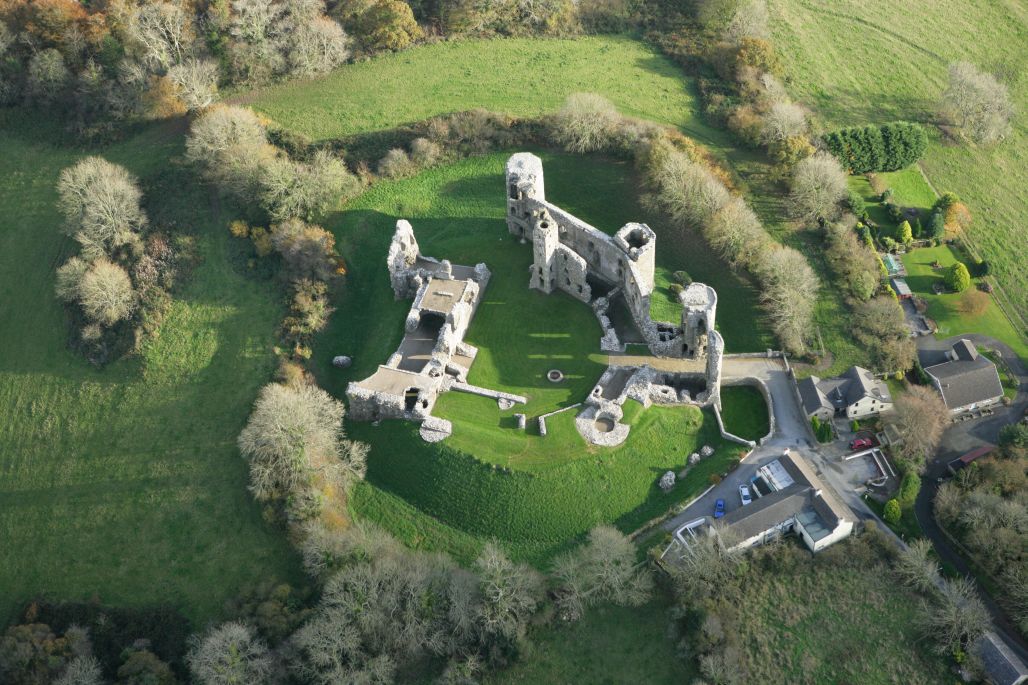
(858, 62)
(520, 76)
(837, 617)
(125, 483)
(744, 412)
(535, 494)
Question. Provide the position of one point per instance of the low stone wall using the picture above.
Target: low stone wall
(766, 393)
(730, 436)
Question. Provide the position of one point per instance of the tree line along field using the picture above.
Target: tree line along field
(858, 63)
(125, 483)
(534, 494)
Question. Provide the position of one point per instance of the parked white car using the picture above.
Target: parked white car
(744, 495)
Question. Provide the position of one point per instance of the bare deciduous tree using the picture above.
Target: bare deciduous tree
(317, 45)
(958, 618)
(916, 568)
(783, 120)
(230, 145)
(790, 291)
(510, 593)
(736, 232)
(603, 569)
(197, 82)
(47, 75)
(164, 33)
(880, 325)
(100, 201)
(749, 21)
(106, 293)
(922, 416)
(978, 102)
(69, 278)
(293, 433)
(229, 654)
(818, 186)
(82, 670)
(292, 189)
(585, 123)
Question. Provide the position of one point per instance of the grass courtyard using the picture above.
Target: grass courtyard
(125, 483)
(859, 63)
(489, 480)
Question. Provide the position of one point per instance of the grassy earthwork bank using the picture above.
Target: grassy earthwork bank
(489, 480)
(124, 483)
(858, 63)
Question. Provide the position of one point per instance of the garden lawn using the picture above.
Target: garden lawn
(857, 62)
(488, 480)
(124, 483)
(910, 190)
(946, 309)
(610, 645)
(520, 76)
(744, 412)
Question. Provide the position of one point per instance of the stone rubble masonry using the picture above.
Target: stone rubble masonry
(571, 255)
(433, 355)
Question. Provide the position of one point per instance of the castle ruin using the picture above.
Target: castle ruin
(613, 274)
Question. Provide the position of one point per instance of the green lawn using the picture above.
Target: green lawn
(945, 308)
(534, 494)
(744, 412)
(909, 190)
(609, 646)
(858, 62)
(125, 483)
(521, 76)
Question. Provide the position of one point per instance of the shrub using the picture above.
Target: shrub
(904, 233)
(937, 225)
(585, 123)
(981, 268)
(856, 204)
(974, 303)
(675, 289)
(854, 425)
(957, 278)
(892, 513)
(396, 164)
(682, 277)
(424, 152)
(822, 429)
(308, 251)
(388, 25)
(910, 486)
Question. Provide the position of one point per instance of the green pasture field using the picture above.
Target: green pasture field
(857, 62)
(801, 622)
(945, 308)
(534, 494)
(124, 483)
(520, 76)
(609, 645)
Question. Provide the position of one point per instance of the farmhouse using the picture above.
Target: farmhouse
(855, 394)
(966, 380)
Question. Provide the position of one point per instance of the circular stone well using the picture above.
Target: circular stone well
(555, 375)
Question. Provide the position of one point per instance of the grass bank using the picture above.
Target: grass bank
(124, 483)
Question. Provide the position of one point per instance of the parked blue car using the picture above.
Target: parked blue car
(719, 508)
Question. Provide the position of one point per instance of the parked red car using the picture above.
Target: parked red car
(861, 444)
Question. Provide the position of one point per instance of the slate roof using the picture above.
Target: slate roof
(852, 386)
(806, 498)
(965, 377)
(1001, 664)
